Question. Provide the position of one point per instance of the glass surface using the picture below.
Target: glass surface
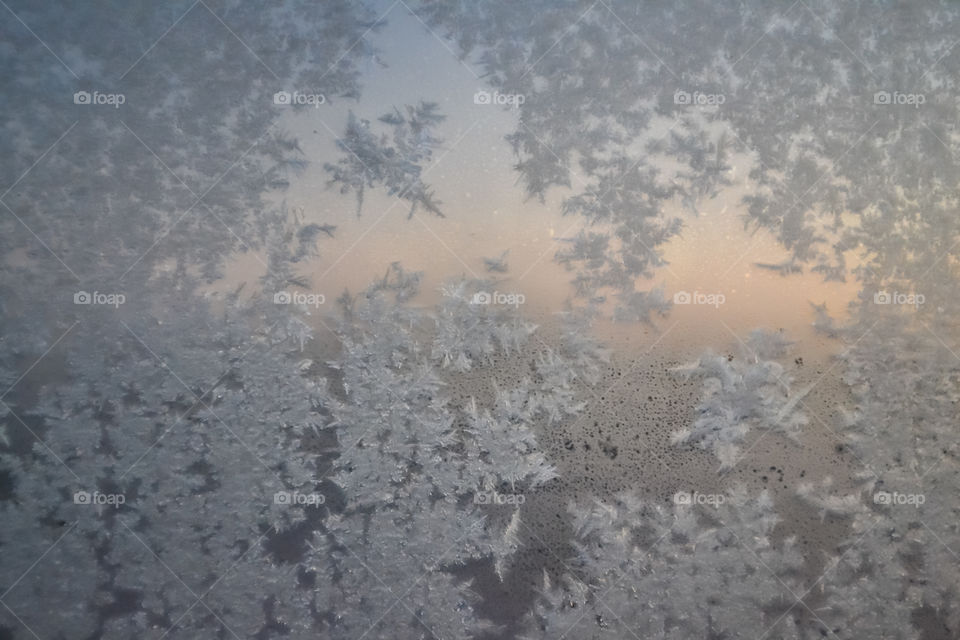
(426, 319)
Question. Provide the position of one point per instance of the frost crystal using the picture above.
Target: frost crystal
(740, 395)
(674, 573)
(393, 161)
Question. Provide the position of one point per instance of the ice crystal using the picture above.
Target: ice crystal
(393, 161)
(648, 570)
(740, 395)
